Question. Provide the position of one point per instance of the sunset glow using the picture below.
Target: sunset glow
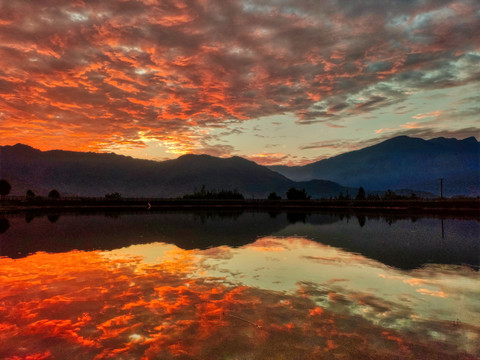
(269, 81)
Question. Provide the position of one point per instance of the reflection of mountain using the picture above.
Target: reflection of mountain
(187, 230)
(403, 243)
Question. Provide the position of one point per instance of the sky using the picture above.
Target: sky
(278, 81)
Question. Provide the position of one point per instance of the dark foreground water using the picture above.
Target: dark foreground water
(238, 286)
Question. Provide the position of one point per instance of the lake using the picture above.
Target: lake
(238, 285)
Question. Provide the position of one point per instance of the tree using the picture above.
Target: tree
(54, 194)
(113, 196)
(389, 195)
(295, 194)
(5, 188)
(203, 194)
(30, 195)
(274, 196)
(360, 194)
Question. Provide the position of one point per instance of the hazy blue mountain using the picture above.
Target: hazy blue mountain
(93, 174)
(401, 163)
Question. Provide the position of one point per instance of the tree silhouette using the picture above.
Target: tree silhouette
(360, 194)
(29, 195)
(54, 194)
(389, 195)
(5, 188)
(295, 194)
(274, 196)
(347, 197)
(203, 194)
(113, 196)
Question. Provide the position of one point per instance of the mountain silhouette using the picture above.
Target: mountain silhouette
(96, 174)
(401, 163)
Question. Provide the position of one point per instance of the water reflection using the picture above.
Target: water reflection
(403, 242)
(278, 297)
(361, 220)
(4, 224)
(53, 218)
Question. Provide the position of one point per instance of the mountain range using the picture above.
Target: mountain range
(401, 163)
(96, 174)
(398, 163)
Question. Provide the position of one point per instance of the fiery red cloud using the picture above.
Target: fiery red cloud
(93, 75)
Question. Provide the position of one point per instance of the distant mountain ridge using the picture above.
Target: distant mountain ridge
(96, 174)
(401, 163)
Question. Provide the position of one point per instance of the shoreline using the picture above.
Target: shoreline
(448, 207)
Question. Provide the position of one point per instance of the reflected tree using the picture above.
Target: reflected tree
(4, 225)
(29, 217)
(361, 220)
(112, 215)
(294, 217)
(273, 214)
(53, 218)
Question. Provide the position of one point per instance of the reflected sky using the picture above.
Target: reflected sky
(238, 286)
(402, 242)
(278, 297)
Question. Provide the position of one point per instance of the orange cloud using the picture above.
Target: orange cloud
(75, 74)
(407, 125)
(269, 158)
(427, 115)
(433, 293)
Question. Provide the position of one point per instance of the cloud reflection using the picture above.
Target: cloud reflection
(105, 305)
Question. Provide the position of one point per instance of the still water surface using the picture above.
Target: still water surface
(232, 285)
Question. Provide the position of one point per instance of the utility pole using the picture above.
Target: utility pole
(441, 188)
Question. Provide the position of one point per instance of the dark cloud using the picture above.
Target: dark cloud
(370, 103)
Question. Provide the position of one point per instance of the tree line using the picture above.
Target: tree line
(5, 189)
(291, 194)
